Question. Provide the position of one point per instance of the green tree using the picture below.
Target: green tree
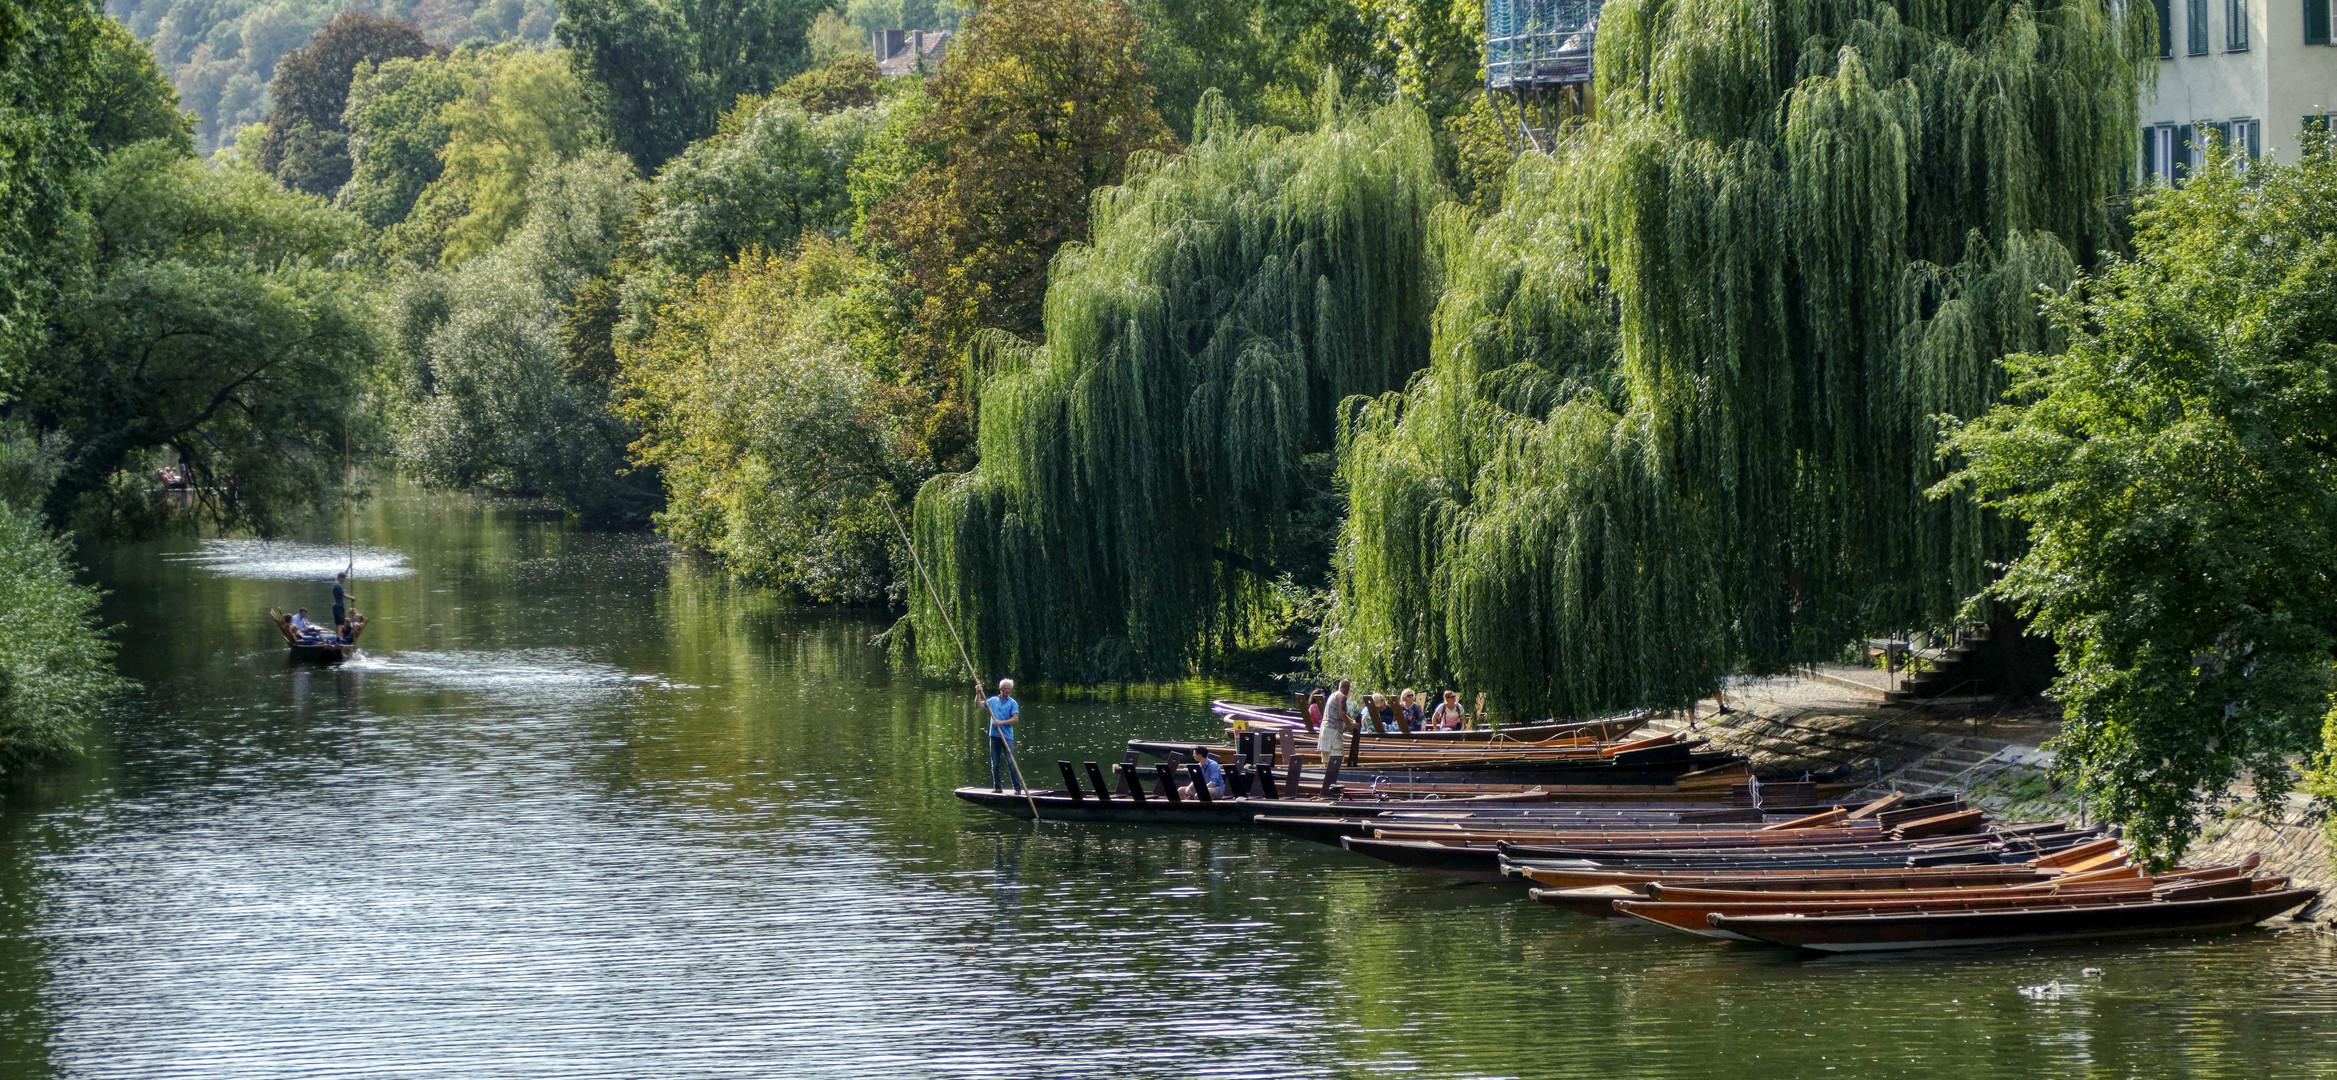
(524, 112)
(670, 68)
(398, 127)
(1150, 477)
(2177, 474)
(49, 55)
(1679, 417)
(307, 142)
(1039, 103)
(129, 99)
(490, 393)
(1265, 58)
(779, 173)
(209, 323)
(846, 82)
(56, 667)
(757, 394)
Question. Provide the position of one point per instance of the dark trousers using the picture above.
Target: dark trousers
(340, 615)
(1002, 750)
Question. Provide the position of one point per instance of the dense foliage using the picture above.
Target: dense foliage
(671, 68)
(1680, 417)
(1040, 103)
(209, 324)
(1140, 471)
(2173, 467)
(220, 55)
(55, 665)
(491, 391)
(759, 396)
(306, 144)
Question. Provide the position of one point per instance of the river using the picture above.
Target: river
(582, 808)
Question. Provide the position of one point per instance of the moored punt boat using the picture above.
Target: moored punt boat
(2028, 925)
(1269, 718)
(1884, 877)
(1695, 917)
(322, 649)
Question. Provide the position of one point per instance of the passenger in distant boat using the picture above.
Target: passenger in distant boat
(1449, 715)
(1383, 715)
(1314, 710)
(1409, 704)
(1212, 774)
(1004, 711)
(303, 630)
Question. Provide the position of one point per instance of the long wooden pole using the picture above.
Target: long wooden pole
(971, 672)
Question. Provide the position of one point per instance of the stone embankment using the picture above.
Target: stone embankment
(1836, 721)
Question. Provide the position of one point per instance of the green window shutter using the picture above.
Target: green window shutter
(2166, 24)
(2197, 11)
(2316, 23)
(2255, 139)
(2149, 153)
(2183, 145)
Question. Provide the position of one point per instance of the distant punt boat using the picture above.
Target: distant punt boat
(322, 649)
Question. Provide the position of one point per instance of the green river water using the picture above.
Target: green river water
(581, 808)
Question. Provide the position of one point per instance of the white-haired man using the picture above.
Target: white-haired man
(1004, 711)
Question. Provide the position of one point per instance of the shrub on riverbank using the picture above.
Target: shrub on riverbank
(56, 667)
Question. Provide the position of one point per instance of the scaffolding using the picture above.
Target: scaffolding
(1538, 65)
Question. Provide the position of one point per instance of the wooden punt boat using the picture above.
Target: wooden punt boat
(1270, 718)
(322, 650)
(1695, 917)
(1884, 877)
(1497, 862)
(2035, 924)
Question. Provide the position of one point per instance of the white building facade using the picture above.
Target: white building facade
(2258, 73)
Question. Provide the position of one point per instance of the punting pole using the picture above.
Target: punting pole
(971, 673)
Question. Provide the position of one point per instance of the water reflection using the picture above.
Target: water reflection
(581, 809)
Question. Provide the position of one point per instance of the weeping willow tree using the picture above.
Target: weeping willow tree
(1140, 470)
(1684, 401)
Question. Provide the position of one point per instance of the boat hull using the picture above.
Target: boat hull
(1902, 933)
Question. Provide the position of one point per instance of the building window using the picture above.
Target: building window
(2315, 135)
(2247, 142)
(2235, 25)
(2316, 23)
(2164, 152)
(2166, 24)
(2198, 20)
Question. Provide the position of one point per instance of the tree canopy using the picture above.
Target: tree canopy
(669, 69)
(210, 322)
(1142, 469)
(2174, 469)
(1680, 417)
(307, 141)
(1040, 103)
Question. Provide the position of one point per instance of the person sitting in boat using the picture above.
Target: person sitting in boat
(1449, 715)
(1408, 703)
(303, 629)
(1383, 714)
(1212, 774)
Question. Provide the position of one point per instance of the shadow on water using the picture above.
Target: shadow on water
(582, 808)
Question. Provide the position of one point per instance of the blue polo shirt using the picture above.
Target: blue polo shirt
(1002, 709)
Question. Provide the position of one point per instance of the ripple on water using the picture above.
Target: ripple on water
(288, 560)
(518, 677)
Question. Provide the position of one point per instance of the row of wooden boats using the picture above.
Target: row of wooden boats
(1677, 837)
